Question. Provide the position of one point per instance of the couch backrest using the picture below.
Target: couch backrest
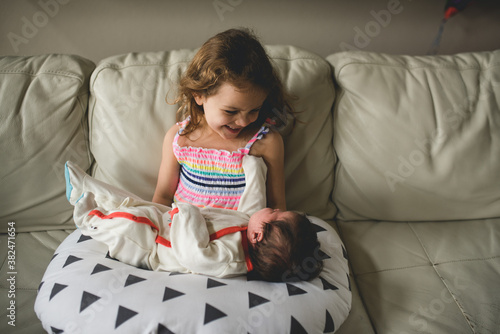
(417, 138)
(128, 118)
(43, 123)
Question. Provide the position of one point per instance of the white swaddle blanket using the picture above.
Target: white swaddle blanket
(147, 235)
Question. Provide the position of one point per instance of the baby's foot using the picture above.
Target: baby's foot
(74, 182)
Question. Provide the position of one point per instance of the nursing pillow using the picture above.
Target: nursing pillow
(84, 290)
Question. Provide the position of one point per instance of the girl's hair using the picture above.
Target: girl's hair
(288, 252)
(237, 57)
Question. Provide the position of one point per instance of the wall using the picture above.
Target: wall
(96, 29)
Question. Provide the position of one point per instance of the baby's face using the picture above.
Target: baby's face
(257, 221)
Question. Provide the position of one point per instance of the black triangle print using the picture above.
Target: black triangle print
(83, 238)
(211, 314)
(211, 283)
(124, 314)
(256, 300)
(99, 268)
(296, 327)
(349, 281)
(163, 330)
(294, 291)
(327, 285)
(87, 300)
(40, 286)
(56, 330)
(329, 324)
(318, 228)
(56, 289)
(174, 273)
(322, 255)
(132, 279)
(71, 259)
(171, 293)
(53, 256)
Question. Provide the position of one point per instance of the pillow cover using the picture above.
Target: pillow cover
(85, 290)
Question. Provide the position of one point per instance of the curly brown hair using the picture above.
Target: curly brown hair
(237, 57)
(288, 252)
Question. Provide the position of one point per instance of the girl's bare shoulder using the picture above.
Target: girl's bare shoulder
(270, 144)
(168, 139)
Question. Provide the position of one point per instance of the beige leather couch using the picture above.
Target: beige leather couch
(401, 154)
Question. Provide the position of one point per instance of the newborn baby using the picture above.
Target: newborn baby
(273, 245)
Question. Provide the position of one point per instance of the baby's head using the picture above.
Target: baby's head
(234, 57)
(284, 246)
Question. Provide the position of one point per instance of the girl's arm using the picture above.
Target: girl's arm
(168, 175)
(272, 150)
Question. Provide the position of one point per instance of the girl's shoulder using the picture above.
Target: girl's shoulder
(174, 130)
(172, 134)
(269, 143)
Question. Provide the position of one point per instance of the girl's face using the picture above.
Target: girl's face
(231, 109)
(255, 231)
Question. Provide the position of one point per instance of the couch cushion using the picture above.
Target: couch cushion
(417, 138)
(129, 116)
(430, 277)
(33, 252)
(42, 125)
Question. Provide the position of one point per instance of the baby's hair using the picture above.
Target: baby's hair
(237, 57)
(289, 251)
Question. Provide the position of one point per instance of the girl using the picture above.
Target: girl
(229, 96)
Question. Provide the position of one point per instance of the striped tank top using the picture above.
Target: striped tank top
(211, 177)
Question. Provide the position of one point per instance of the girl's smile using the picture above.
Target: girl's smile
(231, 109)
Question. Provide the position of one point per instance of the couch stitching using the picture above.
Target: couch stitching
(168, 64)
(353, 280)
(434, 266)
(468, 260)
(427, 265)
(392, 269)
(34, 74)
(425, 66)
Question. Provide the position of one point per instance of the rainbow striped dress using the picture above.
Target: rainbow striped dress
(211, 177)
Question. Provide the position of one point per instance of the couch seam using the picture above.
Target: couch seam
(427, 265)
(105, 65)
(84, 124)
(422, 66)
(355, 282)
(167, 64)
(34, 74)
(468, 260)
(393, 269)
(124, 66)
(434, 267)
